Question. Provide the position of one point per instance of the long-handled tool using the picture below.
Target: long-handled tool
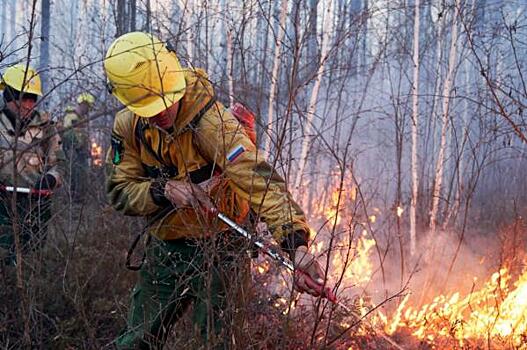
(25, 190)
(325, 292)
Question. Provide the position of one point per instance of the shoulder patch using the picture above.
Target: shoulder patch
(235, 153)
(117, 149)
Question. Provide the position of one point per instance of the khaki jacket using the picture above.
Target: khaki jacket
(75, 141)
(246, 180)
(38, 148)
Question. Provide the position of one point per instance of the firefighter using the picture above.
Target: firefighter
(176, 152)
(77, 145)
(39, 162)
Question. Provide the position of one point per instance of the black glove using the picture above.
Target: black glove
(157, 191)
(293, 241)
(45, 182)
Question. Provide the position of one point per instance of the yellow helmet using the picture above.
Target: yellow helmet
(86, 97)
(143, 74)
(70, 119)
(14, 77)
(69, 109)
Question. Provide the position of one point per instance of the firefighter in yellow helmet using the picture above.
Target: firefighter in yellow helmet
(176, 152)
(76, 143)
(39, 161)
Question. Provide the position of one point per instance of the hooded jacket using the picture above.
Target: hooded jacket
(215, 143)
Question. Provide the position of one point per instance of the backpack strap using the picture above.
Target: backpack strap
(197, 176)
(194, 123)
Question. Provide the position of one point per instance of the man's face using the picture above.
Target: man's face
(83, 108)
(22, 107)
(165, 119)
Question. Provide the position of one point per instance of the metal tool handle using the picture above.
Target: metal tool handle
(325, 292)
(32, 191)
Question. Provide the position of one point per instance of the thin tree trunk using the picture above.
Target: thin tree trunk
(453, 211)
(133, 15)
(430, 136)
(444, 128)
(326, 31)
(148, 16)
(311, 35)
(13, 21)
(206, 51)
(262, 82)
(415, 121)
(3, 29)
(44, 46)
(121, 25)
(188, 13)
(274, 77)
(230, 58)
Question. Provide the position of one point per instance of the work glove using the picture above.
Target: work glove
(45, 182)
(187, 195)
(309, 276)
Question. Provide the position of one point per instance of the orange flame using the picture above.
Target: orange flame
(493, 311)
(357, 268)
(96, 154)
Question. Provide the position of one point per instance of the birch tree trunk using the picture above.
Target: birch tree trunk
(445, 116)
(428, 158)
(3, 29)
(453, 210)
(230, 58)
(274, 77)
(12, 22)
(311, 37)
(188, 13)
(262, 65)
(306, 143)
(44, 46)
(415, 120)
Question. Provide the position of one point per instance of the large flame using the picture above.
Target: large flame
(354, 265)
(492, 315)
(495, 311)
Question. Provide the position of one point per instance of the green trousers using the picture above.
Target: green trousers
(211, 275)
(33, 214)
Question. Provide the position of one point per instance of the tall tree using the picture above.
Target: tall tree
(12, 22)
(438, 180)
(133, 15)
(415, 120)
(44, 46)
(148, 24)
(274, 76)
(327, 30)
(311, 37)
(3, 28)
(121, 24)
(230, 58)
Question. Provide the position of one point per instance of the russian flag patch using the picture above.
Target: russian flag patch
(235, 153)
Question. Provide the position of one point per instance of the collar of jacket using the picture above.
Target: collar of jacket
(34, 120)
(198, 93)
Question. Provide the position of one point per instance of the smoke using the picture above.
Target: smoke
(447, 262)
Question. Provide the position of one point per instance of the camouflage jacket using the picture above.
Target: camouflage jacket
(38, 150)
(245, 179)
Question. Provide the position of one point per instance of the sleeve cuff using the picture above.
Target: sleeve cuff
(50, 181)
(293, 241)
(157, 192)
